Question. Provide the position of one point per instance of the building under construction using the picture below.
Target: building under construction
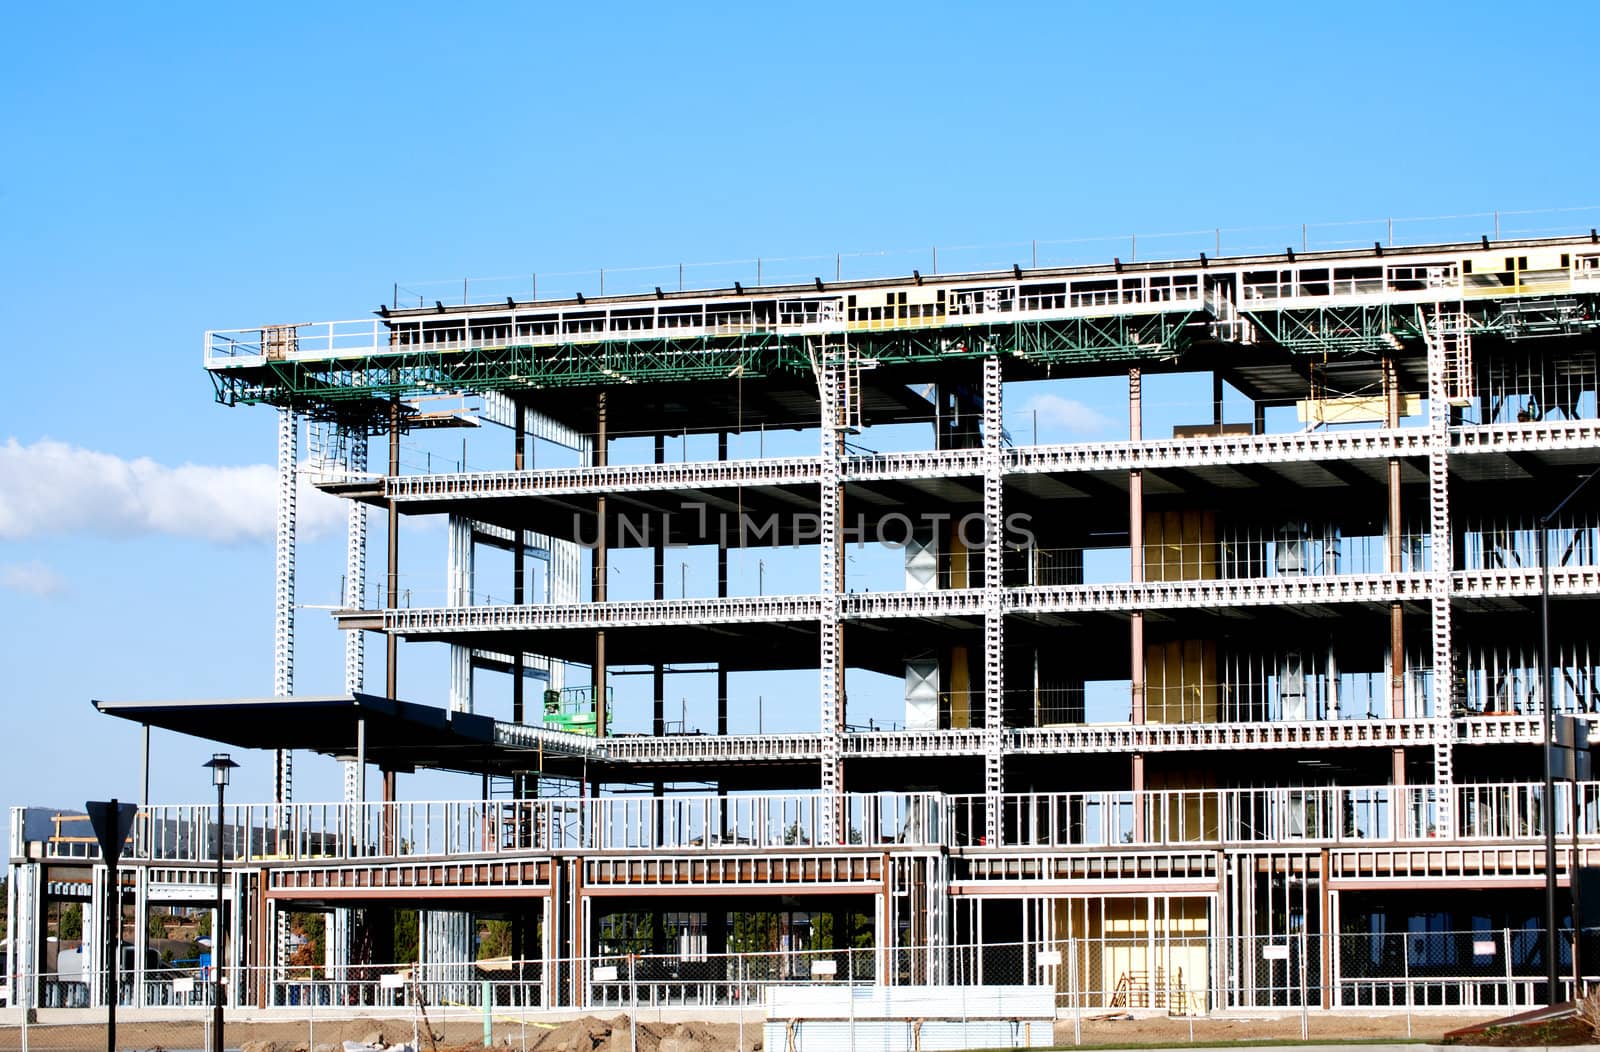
(1269, 676)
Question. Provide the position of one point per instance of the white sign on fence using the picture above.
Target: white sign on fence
(183, 986)
(391, 981)
(1274, 953)
(819, 968)
(1483, 947)
(1048, 957)
(605, 973)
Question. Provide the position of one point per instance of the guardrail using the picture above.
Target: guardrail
(333, 832)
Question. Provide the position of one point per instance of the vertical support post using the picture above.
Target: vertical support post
(1397, 637)
(1505, 954)
(1398, 810)
(722, 593)
(459, 577)
(1443, 562)
(391, 641)
(1394, 564)
(218, 930)
(658, 675)
(1327, 934)
(113, 942)
(141, 933)
(1136, 650)
(1547, 813)
(1574, 885)
(355, 594)
(283, 588)
(519, 572)
(830, 377)
(597, 589)
(283, 624)
(993, 594)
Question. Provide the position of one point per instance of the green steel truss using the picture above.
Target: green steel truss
(1372, 327)
(358, 390)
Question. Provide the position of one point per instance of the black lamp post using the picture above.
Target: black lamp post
(1546, 700)
(221, 765)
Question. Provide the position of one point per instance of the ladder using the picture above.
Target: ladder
(1132, 991)
(839, 354)
(1452, 333)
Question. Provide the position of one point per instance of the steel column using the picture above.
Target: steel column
(283, 588)
(459, 578)
(1443, 560)
(519, 570)
(598, 582)
(355, 594)
(993, 595)
(832, 381)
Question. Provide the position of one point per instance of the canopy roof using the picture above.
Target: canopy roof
(400, 735)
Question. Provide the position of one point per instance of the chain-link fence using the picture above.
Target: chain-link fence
(1150, 972)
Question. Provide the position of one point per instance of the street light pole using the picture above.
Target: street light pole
(221, 764)
(1546, 700)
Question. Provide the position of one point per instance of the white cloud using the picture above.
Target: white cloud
(31, 578)
(51, 488)
(1068, 414)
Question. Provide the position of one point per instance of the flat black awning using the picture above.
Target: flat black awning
(400, 735)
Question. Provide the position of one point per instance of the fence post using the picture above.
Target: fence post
(487, 997)
(1405, 971)
(1077, 994)
(1511, 990)
(1305, 1021)
(850, 995)
(738, 963)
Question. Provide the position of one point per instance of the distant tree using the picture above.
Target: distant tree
(313, 928)
(494, 939)
(156, 927)
(754, 933)
(822, 933)
(405, 936)
(71, 925)
(203, 925)
(628, 933)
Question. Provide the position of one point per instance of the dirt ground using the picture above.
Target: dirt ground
(1103, 1029)
(591, 1034)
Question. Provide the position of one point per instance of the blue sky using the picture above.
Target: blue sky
(184, 167)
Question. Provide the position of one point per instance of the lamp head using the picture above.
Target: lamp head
(221, 765)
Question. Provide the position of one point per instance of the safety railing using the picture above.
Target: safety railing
(606, 479)
(1052, 594)
(488, 327)
(322, 339)
(1324, 814)
(315, 833)
(730, 610)
(1177, 817)
(1361, 444)
(1525, 437)
(434, 829)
